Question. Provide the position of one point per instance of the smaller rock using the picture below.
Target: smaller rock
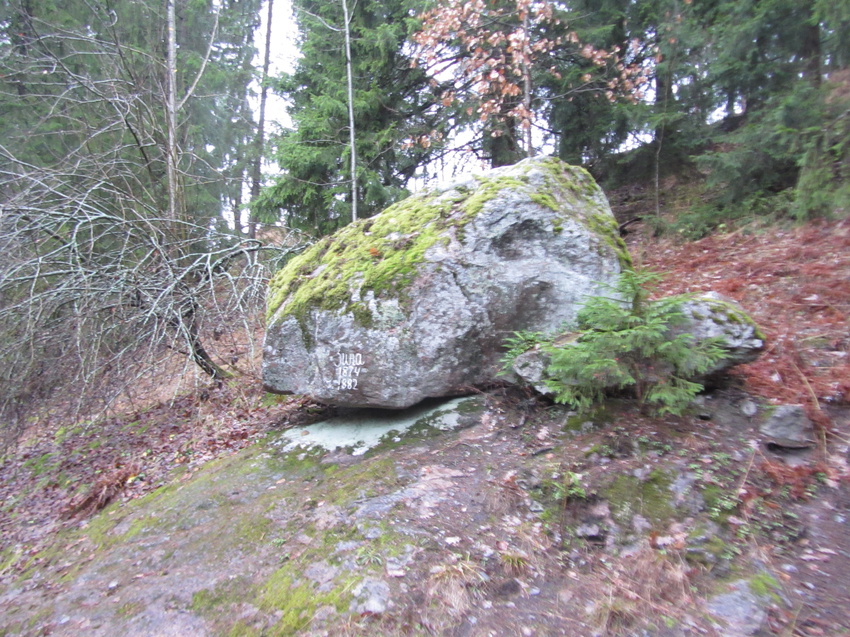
(323, 574)
(789, 427)
(749, 408)
(371, 597)
(530, 367)
(640, 524)
(685, 496)
(707, 316)
(344, 547)
(711, 315)
(740, 611)
(591, 531)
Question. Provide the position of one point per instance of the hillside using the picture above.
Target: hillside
(523, 519)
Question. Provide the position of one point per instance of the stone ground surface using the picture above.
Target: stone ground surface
(523, 520)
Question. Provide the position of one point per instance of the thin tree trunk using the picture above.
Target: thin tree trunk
(351, 131)
(171, 112)
(199, 353)
(526, 99)
(256, 176)
(812, 54)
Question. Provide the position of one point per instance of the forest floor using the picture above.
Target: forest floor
(538, 525)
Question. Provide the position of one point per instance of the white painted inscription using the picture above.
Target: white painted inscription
(348, 368)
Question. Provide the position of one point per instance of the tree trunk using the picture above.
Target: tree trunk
(199, 353)
(351, 130)
(171, 112)
(500, 138)
(256, 175)
(811, 54)
(526, 98)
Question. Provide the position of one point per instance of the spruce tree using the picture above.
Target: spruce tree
(397, 117)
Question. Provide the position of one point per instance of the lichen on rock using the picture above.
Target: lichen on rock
(416, 301)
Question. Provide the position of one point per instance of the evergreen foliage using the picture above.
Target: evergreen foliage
(626, 341)
(394, 105)
(743, 90)
(631, 343)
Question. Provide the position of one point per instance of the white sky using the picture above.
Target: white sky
(284, 53)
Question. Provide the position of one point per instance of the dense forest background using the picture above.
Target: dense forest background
(137, 229)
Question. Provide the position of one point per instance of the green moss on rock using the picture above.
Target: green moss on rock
(725, 312)
(380, 255)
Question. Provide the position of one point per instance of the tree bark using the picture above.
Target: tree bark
(171, 111)
(812, 54)
(256, 176)
(351, 130)
(200, 355)
(526, 98)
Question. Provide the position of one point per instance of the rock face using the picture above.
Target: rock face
(417, 301)
(705, 316)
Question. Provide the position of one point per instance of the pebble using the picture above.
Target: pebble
(749, 408)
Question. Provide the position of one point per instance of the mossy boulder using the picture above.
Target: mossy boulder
(711, 315)
(417, 301)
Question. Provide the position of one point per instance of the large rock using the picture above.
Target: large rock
(417, 301)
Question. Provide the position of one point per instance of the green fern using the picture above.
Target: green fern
(625, 342)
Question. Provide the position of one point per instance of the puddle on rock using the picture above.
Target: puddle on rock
(363, 429)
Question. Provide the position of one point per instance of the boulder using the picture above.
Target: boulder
(417, 301)
(711, 315)
(705, 316)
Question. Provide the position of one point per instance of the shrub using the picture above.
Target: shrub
(626, 341)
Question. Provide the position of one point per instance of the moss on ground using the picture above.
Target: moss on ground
(765, 585)
(651, 498)
(45, 463)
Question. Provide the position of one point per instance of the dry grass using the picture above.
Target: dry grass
(646, 588)
(103, 492)
(453, 583)
(796, 285)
